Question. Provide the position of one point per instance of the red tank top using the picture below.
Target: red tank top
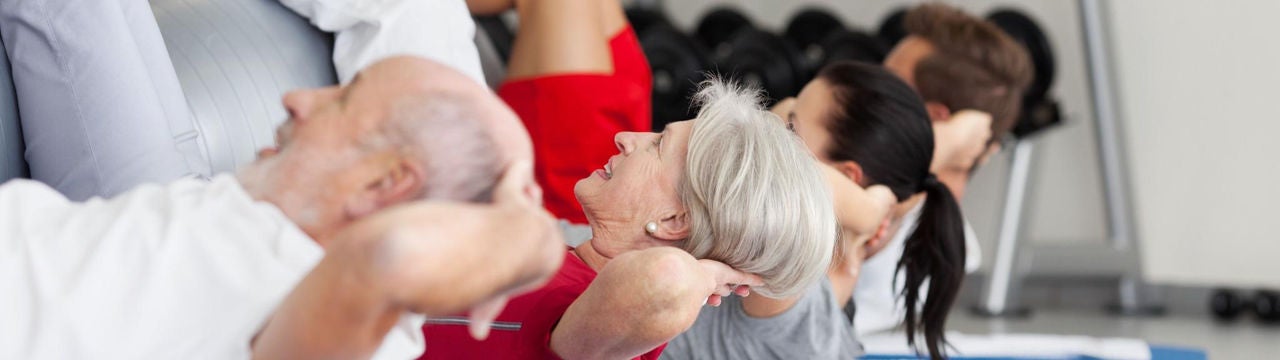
(523, 330)
(572, 119)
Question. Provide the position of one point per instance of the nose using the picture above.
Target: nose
(302, 103)
(298, 103)
(626, 141)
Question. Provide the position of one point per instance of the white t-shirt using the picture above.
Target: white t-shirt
(369, 30)
(189, 270)
(879, 308)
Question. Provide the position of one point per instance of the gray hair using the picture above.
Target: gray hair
(443, 131)
(756, 200)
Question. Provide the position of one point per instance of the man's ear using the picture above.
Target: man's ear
(851, 170)
(674, 227)
(396, 180)
(937, 111)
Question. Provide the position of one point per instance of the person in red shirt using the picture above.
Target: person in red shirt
(728, 202)
(576, 76)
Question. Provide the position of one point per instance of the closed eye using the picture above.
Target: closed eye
(657, 143)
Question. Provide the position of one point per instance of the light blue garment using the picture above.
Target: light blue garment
(100, 105)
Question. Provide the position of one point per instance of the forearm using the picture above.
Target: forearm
(639, 301)
(433, 259)
(843, 274)
(474, 252)
(956, 181)
(333, 313)
(859, 213)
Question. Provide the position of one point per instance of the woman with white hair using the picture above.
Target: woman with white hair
(871, 127)
(731, 187)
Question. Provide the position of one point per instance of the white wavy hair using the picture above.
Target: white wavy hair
(756, 200)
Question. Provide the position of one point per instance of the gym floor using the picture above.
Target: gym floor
(1078, 308)
(1238, 340)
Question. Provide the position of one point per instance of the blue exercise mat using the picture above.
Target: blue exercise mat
(1031, 346)
(1157, 353)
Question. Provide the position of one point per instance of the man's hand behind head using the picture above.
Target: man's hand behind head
(961, 141)
(441, 258)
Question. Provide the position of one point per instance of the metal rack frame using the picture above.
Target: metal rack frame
(1122, 252)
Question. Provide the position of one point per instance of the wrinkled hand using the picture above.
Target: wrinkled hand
(725, 280)
(961, 140)
(439, 257)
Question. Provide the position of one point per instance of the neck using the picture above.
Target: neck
(588, 253)
(260, 188)
(610, 239)
(764, 307)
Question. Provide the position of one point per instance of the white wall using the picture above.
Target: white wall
(1198, 86)
(1198, 150)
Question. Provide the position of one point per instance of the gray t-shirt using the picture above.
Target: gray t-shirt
(815, 328)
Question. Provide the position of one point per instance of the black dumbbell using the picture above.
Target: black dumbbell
(752, 56)
(1038, 111)
(678, 63)
(809, 27)
(642, 19)
(824, 39)
(718, 25)
(892, 29)
(1226, 304)
(1266, 304)
(1022, 28)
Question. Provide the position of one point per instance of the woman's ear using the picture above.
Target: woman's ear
(674, 227)
(851, 170)
(937, 111)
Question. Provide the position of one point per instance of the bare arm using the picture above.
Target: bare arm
(641, 300)
(961, 145)
(862, 214)
(400, 260)
(559, 37)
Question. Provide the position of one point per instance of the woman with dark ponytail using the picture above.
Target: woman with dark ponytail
(878, 133)
(872, 131)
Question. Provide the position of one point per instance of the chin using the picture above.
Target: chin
(582, 187)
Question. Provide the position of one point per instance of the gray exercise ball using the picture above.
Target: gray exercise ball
(235, 59)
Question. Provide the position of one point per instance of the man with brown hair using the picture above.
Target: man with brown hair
(971, 76)
(960, 62)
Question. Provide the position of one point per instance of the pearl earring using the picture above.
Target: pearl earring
(651, 228)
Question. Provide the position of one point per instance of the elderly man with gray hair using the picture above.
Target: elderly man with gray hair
(304, 253)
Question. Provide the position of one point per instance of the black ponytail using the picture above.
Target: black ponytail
(881, 124)
(935, 253)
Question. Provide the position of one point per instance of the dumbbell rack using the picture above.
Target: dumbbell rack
(1121, 255)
